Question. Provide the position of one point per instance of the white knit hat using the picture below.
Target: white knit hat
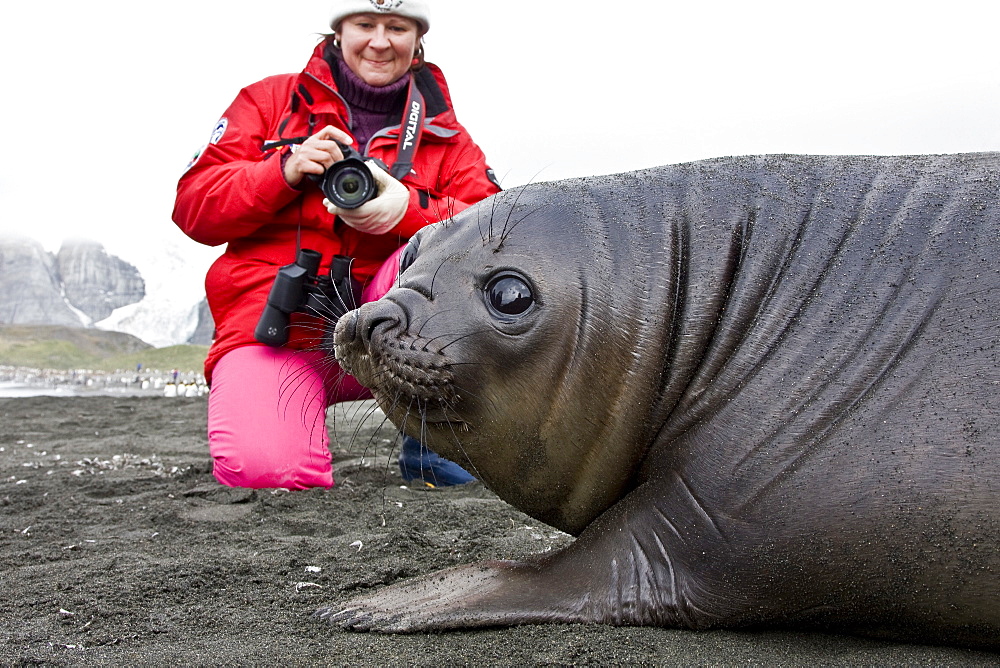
(411, 9)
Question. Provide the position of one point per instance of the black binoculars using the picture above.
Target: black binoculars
(348, 183)
(298, 288)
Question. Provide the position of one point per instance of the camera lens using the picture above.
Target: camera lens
(349, 184)
(351, 187)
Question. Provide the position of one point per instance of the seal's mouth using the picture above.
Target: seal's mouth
(453, 425)
(437, 419)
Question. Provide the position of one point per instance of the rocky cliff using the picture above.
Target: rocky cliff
(76, 287)
(30, 289)
(205, 331)
(95, 282)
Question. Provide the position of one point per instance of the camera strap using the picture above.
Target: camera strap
(410, 128)
(271, 145)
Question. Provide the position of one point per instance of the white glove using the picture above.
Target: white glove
(378, 215)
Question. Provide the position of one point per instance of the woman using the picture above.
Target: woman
(366, 86)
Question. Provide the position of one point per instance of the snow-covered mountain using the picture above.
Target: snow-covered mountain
(153, 291)
(175, 288)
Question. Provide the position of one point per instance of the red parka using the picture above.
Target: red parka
(235, 193)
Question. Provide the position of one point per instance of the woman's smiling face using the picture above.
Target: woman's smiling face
(379, 48)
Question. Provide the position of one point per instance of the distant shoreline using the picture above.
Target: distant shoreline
(11, 390)
(18, 382)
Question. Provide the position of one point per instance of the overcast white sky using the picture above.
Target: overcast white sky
(103, 103)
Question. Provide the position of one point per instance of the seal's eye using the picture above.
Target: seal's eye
(408, 255)
(509, 295)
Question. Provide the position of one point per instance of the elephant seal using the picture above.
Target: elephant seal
(761, 391)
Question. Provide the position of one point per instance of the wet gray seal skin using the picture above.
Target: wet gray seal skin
(763, 391)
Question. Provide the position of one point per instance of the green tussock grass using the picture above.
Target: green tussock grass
(49, 347)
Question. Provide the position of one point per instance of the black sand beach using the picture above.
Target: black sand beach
(117, 548)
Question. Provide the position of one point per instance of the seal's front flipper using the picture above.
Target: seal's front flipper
(628, 568)
(496, 593)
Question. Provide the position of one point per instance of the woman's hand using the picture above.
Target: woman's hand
(315, 154)
(378, 215)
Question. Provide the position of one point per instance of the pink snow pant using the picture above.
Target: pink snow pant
(267, 409)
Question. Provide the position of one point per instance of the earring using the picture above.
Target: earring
(336, 41)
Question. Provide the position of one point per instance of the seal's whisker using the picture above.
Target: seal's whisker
(424, 324)
(461, 178)
(461, 448)
(493, 211)
(479, 221)
(291, 383)
(434, 277)
(428, 342)
(368, 411)
(510, 212)
(422, 414)
(469, 393)
(310, 327)
(508, 230)
(299, 383)
(392, 448)
(505, 232)
(464, 336)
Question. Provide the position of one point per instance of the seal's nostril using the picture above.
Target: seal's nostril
(376, 323)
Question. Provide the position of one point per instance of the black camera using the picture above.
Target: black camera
(298, 288)
(348, 183)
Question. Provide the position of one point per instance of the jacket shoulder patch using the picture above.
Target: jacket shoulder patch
(219, 130)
